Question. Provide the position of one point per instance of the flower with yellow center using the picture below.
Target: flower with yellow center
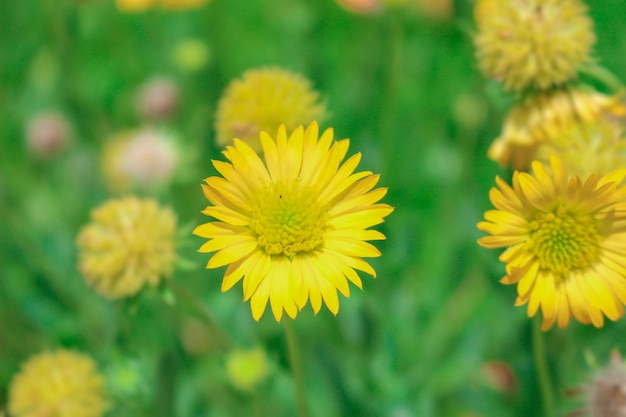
(62, 383)
(565, 242)
(128, 244)
(532, 43)
(547, 116)
(262, 100)
(293, 225)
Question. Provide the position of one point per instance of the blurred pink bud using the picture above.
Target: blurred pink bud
(158, 98)
(47, 134)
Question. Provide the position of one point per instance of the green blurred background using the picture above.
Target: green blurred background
(403, 86)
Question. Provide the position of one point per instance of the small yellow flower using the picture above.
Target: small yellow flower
(191, 55)
(246, 368)
(62, 383)
(130, 6)
(532, 43)
(128, 244)
(143, 159)
(545, 117)
(565, 242)
(262, 100)
(293, 225)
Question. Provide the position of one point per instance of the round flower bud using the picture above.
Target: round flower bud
(47, 134)
(158, 99)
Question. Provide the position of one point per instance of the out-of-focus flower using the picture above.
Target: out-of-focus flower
(143, 5)
(196, 337)
(294, 225)
(532, 43)
(128, 244)
(547, 116)
(144, 159)
(47, 134)
(360, 6)
(262, 100)
(62, 383)
(565, 242)
(131, 6)
(247, 368)
(585, 148)
(500, 376)
(605, 393)
(158, 98)
(191, 55)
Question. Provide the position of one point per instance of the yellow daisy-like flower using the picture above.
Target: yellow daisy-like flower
(546, 117)
(262, 100)
(532, 43)
(293, 225)
(566, 242)
(62, 383)
(128, 244)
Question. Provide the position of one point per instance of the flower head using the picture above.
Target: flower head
(144, 159)
(293, 225)
(547, 116)
(158, 98)
(128, 244)
(532, 43)
(262, 100)
(606, 393)
(564, 240)
(47, 134)
(62, 383)
(246, 368)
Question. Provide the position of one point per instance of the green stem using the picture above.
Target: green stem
(196, 304)
(541, 365)
(294, 361)
(603, 75)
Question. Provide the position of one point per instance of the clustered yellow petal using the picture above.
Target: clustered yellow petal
(128, 244)
(295, 224)
(263, 99)
(549, 116)
(61, 383)
(565, 240)
(532, 43)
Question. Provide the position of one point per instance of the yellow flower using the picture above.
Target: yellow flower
(294, 226)
(191, 55)
(128, 244)
(532, 43)
(246, 368)
(588, 147)
(62, 383)
(545, 117)
(130, 6)
(566, 242)
(262, 100)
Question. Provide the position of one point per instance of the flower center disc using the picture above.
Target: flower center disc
(562, 241)
(287, 219)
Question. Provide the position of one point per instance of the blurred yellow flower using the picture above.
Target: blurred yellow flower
(532, 43)
(262, 100)
(130, 6)
(191, 55)
(545, 117)
(128, 244)
(62, 383)
(182, 4)
(139, 159)
(596, 146)
(294, 226)
(246, 368)
(565, 242)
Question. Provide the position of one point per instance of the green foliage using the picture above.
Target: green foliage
(403, 88)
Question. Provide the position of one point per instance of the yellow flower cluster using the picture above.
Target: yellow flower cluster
(563, 224)
(128, 244)
(61, 383)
